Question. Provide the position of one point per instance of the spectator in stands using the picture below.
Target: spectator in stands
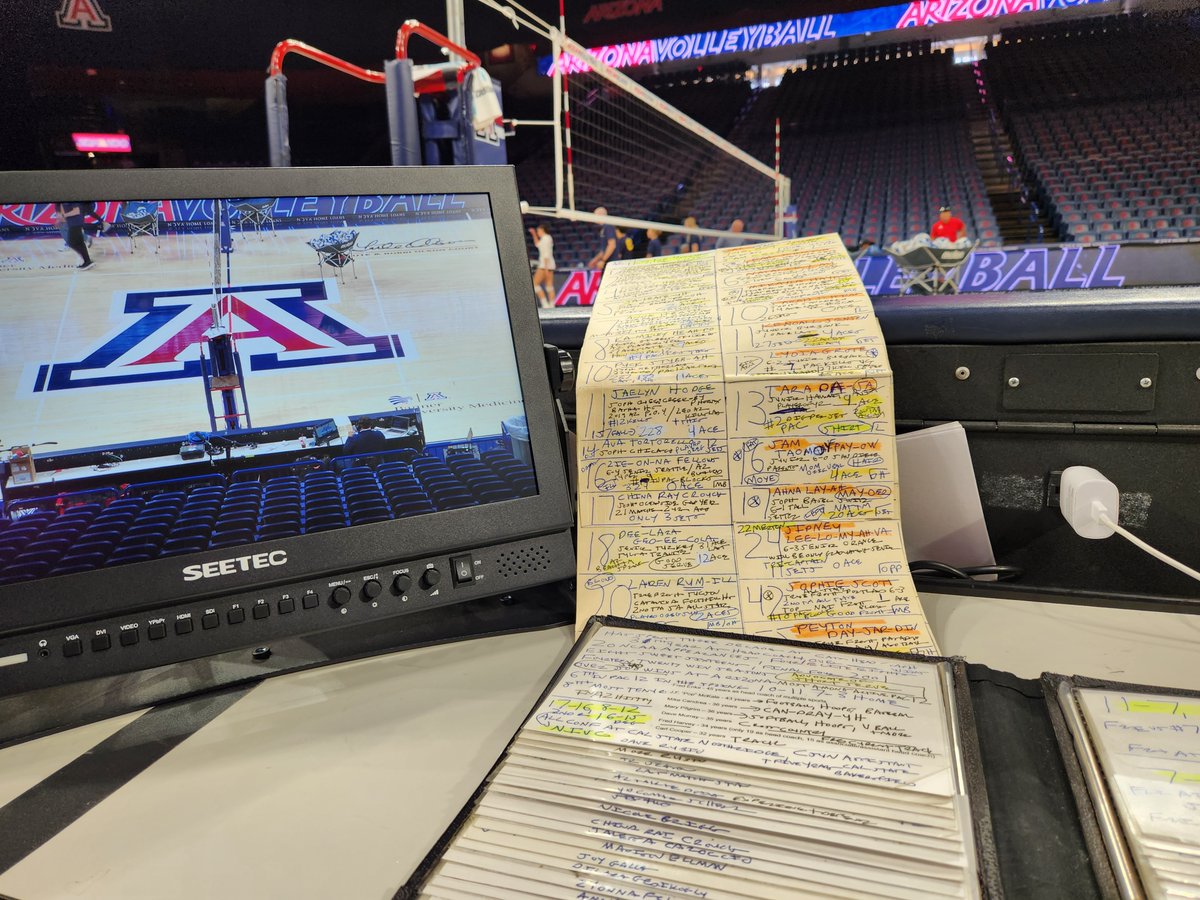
(653, 244)
(691, 243)
(948, 225)
(543, 275)
(365, 439)
(608, 243)
(737, 226)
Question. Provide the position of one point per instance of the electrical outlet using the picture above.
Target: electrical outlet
(1053, 486)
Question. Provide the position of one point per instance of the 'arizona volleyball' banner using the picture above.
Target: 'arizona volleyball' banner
(802, 31)
(1051, 267)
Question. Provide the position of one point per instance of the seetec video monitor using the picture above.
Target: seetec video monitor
(216, 383)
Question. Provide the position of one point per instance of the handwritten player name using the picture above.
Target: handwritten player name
(699, 322)
(784, 411)
(764, 313)
(814, 502)
(659, 549)
(692, 472)
(817, 598)
(650, 346)
(767, 262)
(666, 269)
(820, 463)
(696, 601)
(662, 410)
(646, 448)
(863, 631)
(824, 361)
(659, 507)
(660, 371)
(857, 548)
(823, 331)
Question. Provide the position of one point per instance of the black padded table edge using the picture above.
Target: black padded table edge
(1100, 315)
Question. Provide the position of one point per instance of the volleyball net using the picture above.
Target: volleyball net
(623, 155)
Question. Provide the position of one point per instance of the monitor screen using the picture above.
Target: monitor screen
(326, 431)
(175, 371)
(256, 387)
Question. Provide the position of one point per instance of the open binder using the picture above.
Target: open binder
(1133, 756)
(1033, 774)
(667, 762)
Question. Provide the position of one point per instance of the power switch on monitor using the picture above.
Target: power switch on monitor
(463, 568)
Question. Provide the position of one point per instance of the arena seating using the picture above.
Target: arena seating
(875, 141)
(1105, 117)
(1103, 113)
(158, 519)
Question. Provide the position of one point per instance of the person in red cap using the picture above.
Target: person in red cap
(948, 225)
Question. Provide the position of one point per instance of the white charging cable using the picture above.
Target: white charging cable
(1089, 502)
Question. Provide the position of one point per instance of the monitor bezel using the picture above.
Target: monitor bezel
(64, 599)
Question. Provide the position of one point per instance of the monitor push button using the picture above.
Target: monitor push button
(401, 583)
(101, 642)
(371, 590)
(72, 647)
(340, 596)
(430, 578)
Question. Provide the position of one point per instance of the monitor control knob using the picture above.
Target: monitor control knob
(401, 583)
(430, 577)
(371, 589)
(340, 596)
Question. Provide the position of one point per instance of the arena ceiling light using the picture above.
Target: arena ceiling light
(97, 142)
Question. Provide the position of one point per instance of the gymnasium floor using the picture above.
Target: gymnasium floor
(435, 286)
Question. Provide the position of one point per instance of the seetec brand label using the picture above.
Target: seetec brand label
(219, 567)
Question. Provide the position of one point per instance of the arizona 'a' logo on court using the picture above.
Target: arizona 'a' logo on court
(275, 326)
(82, 15)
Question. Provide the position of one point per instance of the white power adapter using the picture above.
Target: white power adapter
(1091, 503)
(1084, 495)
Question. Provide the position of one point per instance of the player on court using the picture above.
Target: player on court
(543, 275)
(70, 213)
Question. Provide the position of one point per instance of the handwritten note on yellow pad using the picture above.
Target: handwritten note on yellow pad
(737, 461)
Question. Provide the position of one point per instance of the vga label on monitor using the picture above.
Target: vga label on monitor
(233, 564)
